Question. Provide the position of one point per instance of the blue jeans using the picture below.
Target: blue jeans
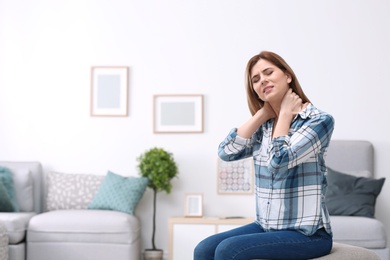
(252, 242)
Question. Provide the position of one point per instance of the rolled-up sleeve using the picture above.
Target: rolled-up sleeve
(235, 147)
(290, 151)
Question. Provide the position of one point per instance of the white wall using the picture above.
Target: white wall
(338, 49)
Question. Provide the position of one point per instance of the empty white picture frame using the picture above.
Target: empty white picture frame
(178, 114)
(109, 91)
(193, 205)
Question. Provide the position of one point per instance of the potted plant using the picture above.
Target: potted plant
(160, 168)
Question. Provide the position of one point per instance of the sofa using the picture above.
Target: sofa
(351, 166)
(73, 216)
(55, 226)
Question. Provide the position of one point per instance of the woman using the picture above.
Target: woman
(288, 138)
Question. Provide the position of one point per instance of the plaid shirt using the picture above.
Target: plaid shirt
(290, 171)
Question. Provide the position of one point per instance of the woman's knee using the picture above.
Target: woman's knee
(226, 249)
(203, 251)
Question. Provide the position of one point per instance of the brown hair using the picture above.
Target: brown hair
(254, 102)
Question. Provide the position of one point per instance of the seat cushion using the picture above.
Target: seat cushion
(343, 252)
(89, 226)
(16, 225)
(358, 231)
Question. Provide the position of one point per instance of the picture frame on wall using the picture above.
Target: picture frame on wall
(193, 205)
(178, 113)
(109, 90)
(235, 177)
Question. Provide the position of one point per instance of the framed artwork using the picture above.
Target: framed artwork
(235, 177)
(193, 205)
(109, 91)
(178, 114)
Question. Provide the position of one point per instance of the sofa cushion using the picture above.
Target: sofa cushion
(349, 195)
(358, 231)
(24, 189)
(6, 177)
(119, 193)
(16, 224)
(71, 191)
(89, 226)
(35, 176)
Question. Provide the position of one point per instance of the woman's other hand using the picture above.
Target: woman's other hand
(291, 104)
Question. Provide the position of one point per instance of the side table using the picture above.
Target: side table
(186, 232)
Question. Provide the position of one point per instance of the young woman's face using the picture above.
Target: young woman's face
(269, 82)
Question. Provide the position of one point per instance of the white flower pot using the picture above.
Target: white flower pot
(150, 254)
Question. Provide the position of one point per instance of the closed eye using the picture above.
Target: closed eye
(268, 71)
(255, 79)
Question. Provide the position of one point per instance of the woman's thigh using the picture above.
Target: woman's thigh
(274, 245)
(205, 250)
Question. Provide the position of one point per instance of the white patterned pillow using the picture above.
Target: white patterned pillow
(71, 191)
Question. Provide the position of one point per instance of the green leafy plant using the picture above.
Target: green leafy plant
(160, 168)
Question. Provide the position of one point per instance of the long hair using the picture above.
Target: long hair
(254, 102)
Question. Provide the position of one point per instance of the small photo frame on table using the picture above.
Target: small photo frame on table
(235, 177)
(178, 114)
(109, 91)
(193, 205)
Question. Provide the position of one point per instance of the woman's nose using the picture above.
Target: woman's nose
(263, 81)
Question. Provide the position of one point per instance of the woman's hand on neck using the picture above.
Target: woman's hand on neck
(285, 111)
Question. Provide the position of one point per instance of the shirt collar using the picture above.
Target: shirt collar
(307, 112)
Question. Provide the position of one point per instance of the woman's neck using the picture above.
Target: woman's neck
(276, 108)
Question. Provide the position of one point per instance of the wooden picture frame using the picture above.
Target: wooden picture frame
(178, 113)
(193, 205)
(235, 177)
(109, 91)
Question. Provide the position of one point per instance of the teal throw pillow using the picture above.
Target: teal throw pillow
(5, 201)
(119, 193)
(6, 177)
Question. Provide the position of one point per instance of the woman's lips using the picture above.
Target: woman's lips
(267, 89)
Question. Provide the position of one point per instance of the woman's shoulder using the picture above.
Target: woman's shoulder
(314, 111)
(318, 114)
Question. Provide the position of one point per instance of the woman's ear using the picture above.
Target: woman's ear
(289, 78)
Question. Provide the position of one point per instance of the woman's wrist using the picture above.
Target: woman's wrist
(264, 115)
(283, 124)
